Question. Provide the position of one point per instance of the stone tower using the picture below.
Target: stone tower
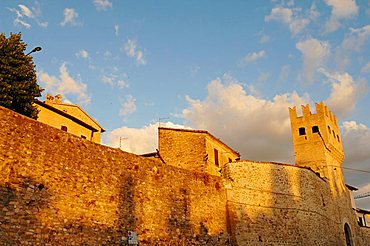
(317, 142)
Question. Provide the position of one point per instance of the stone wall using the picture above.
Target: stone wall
(59, 189)
(194, 150)
(277, 204)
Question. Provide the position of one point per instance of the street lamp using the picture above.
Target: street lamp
(36, 49)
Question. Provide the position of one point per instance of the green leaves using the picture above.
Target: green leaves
(18, 82)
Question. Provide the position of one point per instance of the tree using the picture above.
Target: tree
(18, 82)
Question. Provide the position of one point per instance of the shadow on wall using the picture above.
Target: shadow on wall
(20, 202)
(181, 229)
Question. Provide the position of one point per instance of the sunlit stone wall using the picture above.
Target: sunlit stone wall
(276, 204)
(58, 189)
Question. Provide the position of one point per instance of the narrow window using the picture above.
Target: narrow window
(216, 156)
(360, 221)
(302, 131)
(230, 160)
(338, 138)
(329, 130)
(84, 137)
(347, 232)
(64, 128)
(315, 129)
(334, 134)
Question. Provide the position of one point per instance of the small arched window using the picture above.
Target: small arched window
(302, 131)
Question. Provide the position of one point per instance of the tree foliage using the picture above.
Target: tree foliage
(18, 82)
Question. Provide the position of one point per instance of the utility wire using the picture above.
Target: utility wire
(358, 170)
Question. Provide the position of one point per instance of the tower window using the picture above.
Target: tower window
(338, 138)
(302, 131)
(334, 134)
(329, 130)
(315, 129)
(215, 151)
(64, 128)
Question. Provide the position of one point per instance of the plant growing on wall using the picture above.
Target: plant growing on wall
(18, 83)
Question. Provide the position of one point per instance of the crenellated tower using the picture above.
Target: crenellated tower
(317, 142)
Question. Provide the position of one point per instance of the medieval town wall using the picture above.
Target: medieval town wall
(277, 204)
(56, 188)
(59, 189)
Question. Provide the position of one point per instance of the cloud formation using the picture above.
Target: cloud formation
(356, 145)
(128, 106)
(133, 51)
(25, 14)
(289, 17)
(102, 4)
(341, 9)
(116, 29)
(258, 128)
(65, 85)
(345, 92)
(115, 80)
(70, 17)
(137, 140)
(83, 54)
(314, 54)
(356, 38)
(254, 56)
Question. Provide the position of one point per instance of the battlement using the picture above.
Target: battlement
(323, 121)
(315, 137)
(321, 110)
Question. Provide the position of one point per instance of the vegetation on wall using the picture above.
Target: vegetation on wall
(18, 83)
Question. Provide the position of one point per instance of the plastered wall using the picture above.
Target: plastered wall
(58, 189)
(54, 119)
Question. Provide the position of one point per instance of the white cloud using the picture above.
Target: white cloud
(254, 56)
(345, 92)
(24, 14)
(356, 145)
(284, 73)
(137, 140)
(356, 38)
(128, 107)
(116, 29)
(354, 41)
(83, 54)
(289, 17)
(25, 10)
(314, 54)
(132, 51)
(366, 68)
(102, 4)
(115, 80)
(70, 17)
(65, 85)
(341, 9)
(264, 38)
(258, 128)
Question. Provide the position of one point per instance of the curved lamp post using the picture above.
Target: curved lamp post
(36, 49)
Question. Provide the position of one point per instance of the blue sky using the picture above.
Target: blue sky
(229, 67)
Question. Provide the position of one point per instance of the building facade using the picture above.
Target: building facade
(69, 118)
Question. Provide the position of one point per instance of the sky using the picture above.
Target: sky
(229, 67)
